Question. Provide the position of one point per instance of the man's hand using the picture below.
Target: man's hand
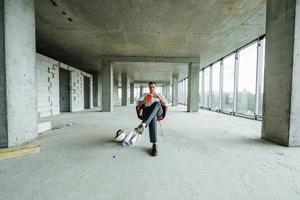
(155, 95)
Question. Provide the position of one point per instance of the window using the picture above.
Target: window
(247, 80)
(200, 89)
(235, 87)
(215, 93)
(180, 92)
(206, 86)
(145, 89)
(260, 103)
(158, 89)
(119, 101)
(182, 87)
(185, 90)
(228, 83)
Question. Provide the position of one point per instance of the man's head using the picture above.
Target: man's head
(152, 86)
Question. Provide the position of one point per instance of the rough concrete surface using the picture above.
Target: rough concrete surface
(206, 156)
(281, 116)
(20, 43)
(176, 28)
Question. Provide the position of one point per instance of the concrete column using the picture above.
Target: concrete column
(141, 90)
(131, 93)
(281, 110)
(168, 94)
(95, 89)
(175, 90)
(163, 90)
(99, 88)
(18, 99)
(193, 87)
(107, 86)
(124, 89)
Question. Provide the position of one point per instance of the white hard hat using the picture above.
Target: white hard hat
(120, 136)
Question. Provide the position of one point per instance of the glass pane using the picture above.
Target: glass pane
(215, 86)
(180, 92)
(200, 89)
(145, 89)
(182, 100)
(119, 95)
(186, 90)
(158, 89)
(247, 80)
(181, 96)
(263, 42)
(228, 84)
(206, 86)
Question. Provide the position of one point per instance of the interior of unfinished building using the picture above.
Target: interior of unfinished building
(75, 77)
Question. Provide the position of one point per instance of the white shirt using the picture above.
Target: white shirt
(153, 99)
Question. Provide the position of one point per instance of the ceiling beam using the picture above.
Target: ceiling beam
(150, 59)
(147, 81)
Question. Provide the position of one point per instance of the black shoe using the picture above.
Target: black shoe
(154, 150)
(139, 129)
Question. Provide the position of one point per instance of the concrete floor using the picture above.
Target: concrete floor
(206, 156)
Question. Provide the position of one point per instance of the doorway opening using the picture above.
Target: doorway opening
(64, 90)
(87, 92)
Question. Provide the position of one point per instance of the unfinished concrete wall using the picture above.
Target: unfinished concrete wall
(20, 70)
(77, 102)
(77, 87)
(47, 77)
(281, 111)
(48, 87)
(3, 103)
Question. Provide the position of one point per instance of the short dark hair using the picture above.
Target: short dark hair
(152, 82)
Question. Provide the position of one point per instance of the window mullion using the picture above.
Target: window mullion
(236, 78)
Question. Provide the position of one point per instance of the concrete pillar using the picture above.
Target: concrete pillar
(175, 90)
(193, 87)
(131, 93)
(107, 86)
(124, 89)
(281, 110)
(99, 89)
(163, 90)
(141, 90)
(96, 88)
(117, 83)
(18, 99)
(168, 94)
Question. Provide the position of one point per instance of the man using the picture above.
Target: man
(153, 108)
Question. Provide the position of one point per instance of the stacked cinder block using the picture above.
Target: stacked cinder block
(48, 86)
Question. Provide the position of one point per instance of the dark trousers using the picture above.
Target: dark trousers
(150, 118)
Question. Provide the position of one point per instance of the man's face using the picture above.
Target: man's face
(152, 88)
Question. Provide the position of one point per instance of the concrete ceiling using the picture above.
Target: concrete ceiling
(79, 32)
(140, 71)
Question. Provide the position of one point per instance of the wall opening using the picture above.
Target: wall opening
(87, 92)
(64, 90)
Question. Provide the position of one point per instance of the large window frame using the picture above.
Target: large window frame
(183, 91)
(260, 42)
